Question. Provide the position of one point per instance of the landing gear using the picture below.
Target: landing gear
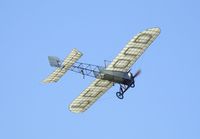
(123, 89)
(120, 95)
(126, 85)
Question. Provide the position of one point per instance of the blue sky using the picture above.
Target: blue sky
(165, 103)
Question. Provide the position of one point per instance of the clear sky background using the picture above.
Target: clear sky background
(165, 103)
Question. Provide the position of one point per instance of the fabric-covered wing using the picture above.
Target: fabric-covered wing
(90, 95)
(133, 50)
(68, 62)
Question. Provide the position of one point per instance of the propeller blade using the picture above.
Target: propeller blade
(137, 73)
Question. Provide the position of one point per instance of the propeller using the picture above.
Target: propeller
(137, 73)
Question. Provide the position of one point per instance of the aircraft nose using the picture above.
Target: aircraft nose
(130, 74)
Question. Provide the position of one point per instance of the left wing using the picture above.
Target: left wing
(90, 95)
(133, 50)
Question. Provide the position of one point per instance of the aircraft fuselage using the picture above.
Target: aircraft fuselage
(117, 76)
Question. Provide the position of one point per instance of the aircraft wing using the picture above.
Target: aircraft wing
(133, 50)
(68, 62)
(122, 62)
(90, 95)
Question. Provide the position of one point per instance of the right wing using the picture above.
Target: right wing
(68, 62)
(133, 50)
(90, 95)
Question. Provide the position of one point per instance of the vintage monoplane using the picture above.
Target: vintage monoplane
(118, 71)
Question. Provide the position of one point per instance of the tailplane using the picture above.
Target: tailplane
(62, 66)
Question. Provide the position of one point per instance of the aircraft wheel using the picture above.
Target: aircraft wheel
(120, 95)
(133, 85)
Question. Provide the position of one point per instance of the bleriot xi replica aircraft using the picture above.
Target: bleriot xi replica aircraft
(118, 71)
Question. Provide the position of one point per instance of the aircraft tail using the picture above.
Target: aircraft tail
(62, 66)
(54, 61)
